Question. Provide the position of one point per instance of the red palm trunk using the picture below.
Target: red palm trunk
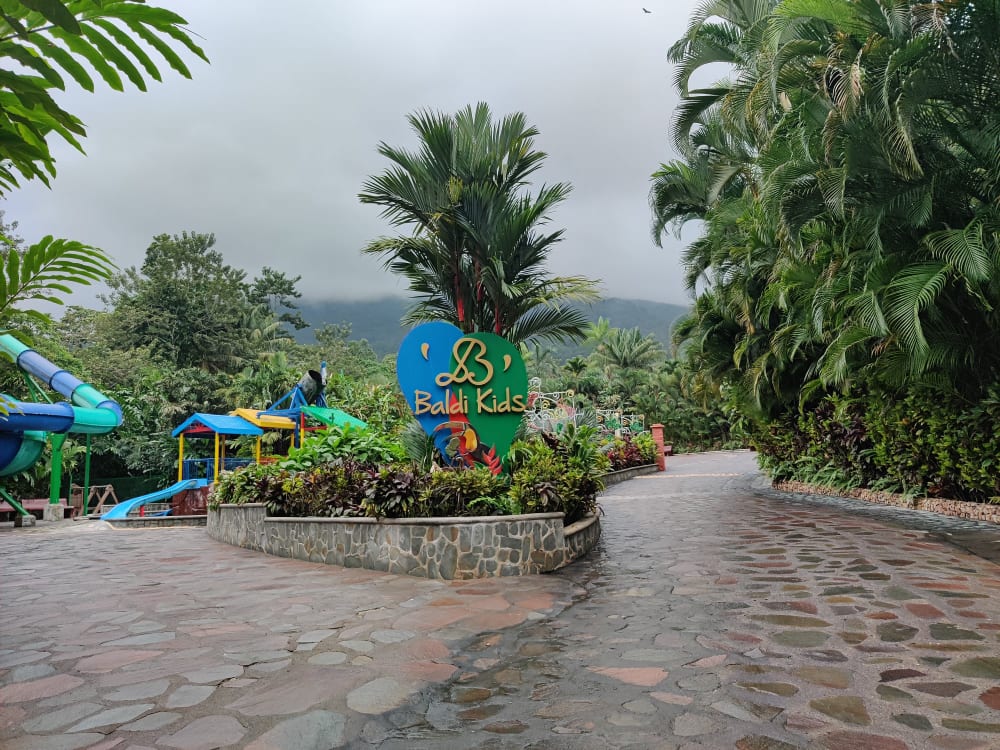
(459, 302)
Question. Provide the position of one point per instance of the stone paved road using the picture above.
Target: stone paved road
(165, 638)
(714, 614)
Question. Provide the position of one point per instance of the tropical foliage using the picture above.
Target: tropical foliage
(43, 273)
(919, 442)
(52, 41)
(477, 251)
(45, 40)
(846, 177)
(628, 372)
(351, 473)
(162, 363)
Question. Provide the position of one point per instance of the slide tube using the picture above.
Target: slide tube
(122, 510)
(75, 390)
(23, 430)
(19, 450)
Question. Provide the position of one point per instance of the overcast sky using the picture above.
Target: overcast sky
(268, 145)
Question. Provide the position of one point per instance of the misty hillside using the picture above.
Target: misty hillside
(378, 320)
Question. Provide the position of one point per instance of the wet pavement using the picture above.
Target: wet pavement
(715, 613)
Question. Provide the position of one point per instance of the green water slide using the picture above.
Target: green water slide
(27, 425)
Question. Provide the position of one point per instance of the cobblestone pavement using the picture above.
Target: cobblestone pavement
(720, 614)
(714, 614)
(166, 638)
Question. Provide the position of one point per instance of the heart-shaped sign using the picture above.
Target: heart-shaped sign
(468, 391)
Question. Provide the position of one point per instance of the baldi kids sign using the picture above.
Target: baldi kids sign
(468, 391)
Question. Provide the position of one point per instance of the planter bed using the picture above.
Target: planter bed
(623, 475)
(448, 548)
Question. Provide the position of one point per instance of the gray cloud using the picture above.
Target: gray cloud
(268, 146)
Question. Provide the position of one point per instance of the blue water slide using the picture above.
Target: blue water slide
(122, 510)
(44, 417)
(22, 430)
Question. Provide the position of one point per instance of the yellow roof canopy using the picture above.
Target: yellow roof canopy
(266, 421)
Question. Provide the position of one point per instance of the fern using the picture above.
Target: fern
(46, 271)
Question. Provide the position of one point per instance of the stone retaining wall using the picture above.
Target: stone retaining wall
(582, 536)
(449, 548)
(623, 475)
(985, 512)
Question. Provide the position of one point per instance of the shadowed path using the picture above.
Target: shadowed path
(714, 614)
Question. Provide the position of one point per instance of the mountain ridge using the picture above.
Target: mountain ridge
(377, 320)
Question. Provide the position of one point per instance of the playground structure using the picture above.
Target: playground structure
(28, 425)
(290, 414)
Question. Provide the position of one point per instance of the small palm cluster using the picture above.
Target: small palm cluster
(847, 174)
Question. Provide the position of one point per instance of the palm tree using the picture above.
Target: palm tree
(42, 271)
(476, 256)
(259, 385)
(846, 177)
(541, 362)
(628, 349)
(574, 367)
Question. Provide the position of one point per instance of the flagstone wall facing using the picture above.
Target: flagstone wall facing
(449, 548)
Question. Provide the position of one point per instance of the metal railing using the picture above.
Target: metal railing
(204, 468)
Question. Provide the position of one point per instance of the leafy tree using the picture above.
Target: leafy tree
(8, 234)
(845, 175)
(628, 349)
(46, 39)
(278, 292)
(186, 304)
(259, 385)
(574, 368)
(476, 255)
(845, 179)
(44, 271)
(349, 358)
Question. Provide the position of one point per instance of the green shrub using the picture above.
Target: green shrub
(504, 505)
(922, 441)
(333, 490)
(257, 483)
(394, 492)
(451, 491)
(336, 489)
(418, 446)
(535, 483)
(554, 474)
(646, 446)
(360, 444)
(580, 484)
(546, 479)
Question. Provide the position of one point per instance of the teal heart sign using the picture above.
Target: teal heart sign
(468, 391)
